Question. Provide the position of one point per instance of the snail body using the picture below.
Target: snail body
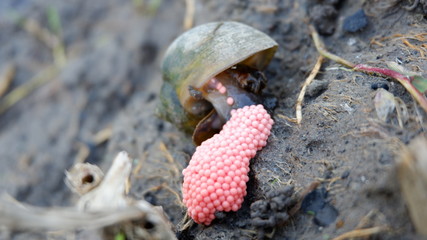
(210, 70)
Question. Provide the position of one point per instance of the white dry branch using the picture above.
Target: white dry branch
(105, 207)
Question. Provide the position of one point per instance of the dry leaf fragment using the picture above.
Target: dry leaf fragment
(412, 175)
(386, 104)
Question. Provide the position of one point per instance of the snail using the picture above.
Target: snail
(210, 70)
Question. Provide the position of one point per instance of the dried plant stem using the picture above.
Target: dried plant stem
(292, 120)
(189, 14)
(51, 40)
(322, 50)
(307, 82)
(82, 153)
(173, 163)
(103, 135)
(6, 78)
(24, 90)
(361, 233)
(367, 219)
(385, 72)
(16, 216)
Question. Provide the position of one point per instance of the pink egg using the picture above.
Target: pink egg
(215, 179)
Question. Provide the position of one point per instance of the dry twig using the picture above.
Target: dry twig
(83, 152)
(16, 216)
(6, 78)
(292, 120)
(103, 207)
(169, 158)
(367, 219)
(103, 135)
(189, 14)
(361, 233)
(307, 82)
(410, 45)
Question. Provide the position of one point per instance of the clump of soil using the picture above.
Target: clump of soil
(272, 212)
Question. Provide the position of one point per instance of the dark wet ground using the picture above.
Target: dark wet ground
(111, 80)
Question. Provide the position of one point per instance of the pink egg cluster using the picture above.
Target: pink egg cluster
(215, 179)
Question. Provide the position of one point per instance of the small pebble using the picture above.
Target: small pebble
(317, 87)
(345, 174)
(355, 22)
(316, 202)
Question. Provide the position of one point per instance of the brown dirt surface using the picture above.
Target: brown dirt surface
(111, 81)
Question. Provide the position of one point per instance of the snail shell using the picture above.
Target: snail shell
(200, 54)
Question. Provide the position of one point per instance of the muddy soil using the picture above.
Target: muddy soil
(111, 80)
